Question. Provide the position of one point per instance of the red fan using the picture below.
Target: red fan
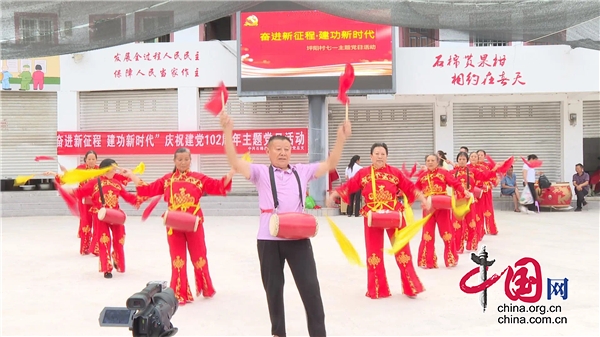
(506, 165)
(69, 199)
(150, 207)
(532, 164)
(490, 160)
(217, 101)
(40, 158)
(346, 81)
(413, 170)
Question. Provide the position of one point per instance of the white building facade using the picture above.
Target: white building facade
(510, 100)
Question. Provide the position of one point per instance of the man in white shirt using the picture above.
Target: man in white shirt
(529, 177)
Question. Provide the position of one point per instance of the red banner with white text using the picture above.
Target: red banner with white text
(161, 142)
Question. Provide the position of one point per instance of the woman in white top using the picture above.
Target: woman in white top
(355, 198)
(529, 177)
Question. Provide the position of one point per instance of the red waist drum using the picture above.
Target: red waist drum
(87, 201)
(293, 226)
(384, 219)
(440, 201)
(112, 216)
(477, 193)
(181, 221)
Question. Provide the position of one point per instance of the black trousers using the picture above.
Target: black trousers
(354, 205)
(580, 197)
(299, 255)
(532, 207)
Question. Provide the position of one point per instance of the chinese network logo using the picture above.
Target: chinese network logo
(519, 284)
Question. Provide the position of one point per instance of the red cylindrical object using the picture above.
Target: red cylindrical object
(181, 221)
(440, 201)
(293, 226)
(477, 193)
(384, 219)
(112, 216)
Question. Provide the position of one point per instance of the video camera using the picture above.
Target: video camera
(148, 313)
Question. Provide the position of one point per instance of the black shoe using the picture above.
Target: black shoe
(577, 209)
(107, 275)
(584, 203)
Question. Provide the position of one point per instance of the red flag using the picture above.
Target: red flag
(150, 207)
(69, 199)
(217, 101)
(506, 165)
(346, 81)
(532, 164)
(40, 158)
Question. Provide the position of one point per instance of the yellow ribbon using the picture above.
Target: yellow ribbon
(76, 176)
(246, 157)
(140, 168)
(403, 236)
(347, 248)
(20, 180)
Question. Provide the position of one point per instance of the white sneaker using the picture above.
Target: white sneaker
(524, 209)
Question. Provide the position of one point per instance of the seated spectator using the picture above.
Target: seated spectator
(508, 187)
(581, 182)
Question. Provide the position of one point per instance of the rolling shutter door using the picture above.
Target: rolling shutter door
(122, 111)
(407, 130)
(591, 119)
(29, 122)
(276, 112)
(517, 129)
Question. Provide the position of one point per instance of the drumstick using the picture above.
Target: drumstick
(346, 110)
(222, 101)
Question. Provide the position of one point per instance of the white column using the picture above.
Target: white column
(572, 138)
(67, 120)
(188, 105)
(443, 135)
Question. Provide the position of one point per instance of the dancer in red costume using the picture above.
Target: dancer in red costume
(389, 181)
(87, 225)
(488, 199)
(182, 190)
(434, 181)
(466, 229)
(481, 179)
(112, 189)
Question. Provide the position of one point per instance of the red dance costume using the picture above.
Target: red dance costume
(182, 192)
(95, 237)
(434, 182)
(112, 190)
(466, 229)
(488, 199)
(389, 181)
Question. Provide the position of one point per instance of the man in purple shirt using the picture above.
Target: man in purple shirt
(273, 252)
(581, 182)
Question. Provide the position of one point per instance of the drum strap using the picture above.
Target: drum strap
(274, 189)
(100, 191)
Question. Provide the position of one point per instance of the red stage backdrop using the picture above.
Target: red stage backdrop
(312, 43)
(160, 142)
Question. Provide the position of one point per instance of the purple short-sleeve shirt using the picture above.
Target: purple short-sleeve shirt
(287, 191)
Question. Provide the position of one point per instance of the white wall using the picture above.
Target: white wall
(96, 70)
(542, 68)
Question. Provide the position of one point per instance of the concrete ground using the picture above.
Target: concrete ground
(49, 289)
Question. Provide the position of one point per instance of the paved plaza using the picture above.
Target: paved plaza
(49, 289)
